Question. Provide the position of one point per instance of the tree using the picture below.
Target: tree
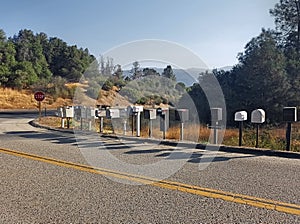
(7, 58)
(287, 20)
(261, 78)
(168, 73)
(136, 70)
(150, 72)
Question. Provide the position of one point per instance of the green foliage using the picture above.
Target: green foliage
(27, 58)
(168, 73)
(58, 88)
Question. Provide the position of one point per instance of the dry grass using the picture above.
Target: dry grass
(50, 121)
(24, 99)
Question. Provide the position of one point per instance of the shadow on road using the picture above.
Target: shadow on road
(54, 138)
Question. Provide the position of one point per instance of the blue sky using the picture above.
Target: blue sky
(216, 30)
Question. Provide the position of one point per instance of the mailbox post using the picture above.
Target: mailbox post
(164, 120)
(137, 112)
(124, 116)
(182, 115)
(68, 113)
(240, 116)
(150, 114)
(258, 116)
(289, 116)
(101, 113)
(216, 116)
(60, 114)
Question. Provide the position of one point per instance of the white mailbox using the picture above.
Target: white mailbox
(59, 112)
(137, 109)
(258, 116)
(150, 114)
(240, 116)
(68, 112)
(113, 113)
(101, 113)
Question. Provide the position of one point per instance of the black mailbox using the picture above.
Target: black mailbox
(290, 114)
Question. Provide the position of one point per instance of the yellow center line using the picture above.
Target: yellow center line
(192, 189)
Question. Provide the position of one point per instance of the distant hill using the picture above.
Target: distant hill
(187, 76)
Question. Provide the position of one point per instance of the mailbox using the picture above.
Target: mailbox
(182, 115)
(100, 113)
(258, 116)
(129, 110)
(83, 112)
(123, 112)
(290, 114)
(77, 112)
(216, 114)
(90, 112)
(162, 111)
(240, 116)
(137, 109)
(68, 111)
(113, 113)
(150, 114)
(60, 112)
(164, 118)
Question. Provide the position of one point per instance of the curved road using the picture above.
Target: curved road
(41, 190)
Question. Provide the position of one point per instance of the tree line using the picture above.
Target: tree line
(268, 73)
(28, 59)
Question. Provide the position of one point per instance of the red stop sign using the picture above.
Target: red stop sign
(39, 96)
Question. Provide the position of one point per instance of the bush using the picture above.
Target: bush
(93, 92)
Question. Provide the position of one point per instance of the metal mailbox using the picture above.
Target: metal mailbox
(150, 114)
(290, 114)
(137, 109)
(59, 112)
(90, 113)
(83, 112)
(123, 112)
(162, 111)
(216, 114)
(113, 113)
(182, 115)
(240, 116)
(258, 116)
(68, 112)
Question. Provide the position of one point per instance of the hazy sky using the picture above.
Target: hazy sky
(216, 30)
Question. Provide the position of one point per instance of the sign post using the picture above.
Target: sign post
(39, 96)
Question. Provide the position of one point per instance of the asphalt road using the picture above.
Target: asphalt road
(39, 191)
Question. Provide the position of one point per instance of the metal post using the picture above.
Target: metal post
(132, 125)
(62, 122)
(90, 124)
(181, 131)
(138, 124)
(288, 136)
(257, 127)
(164, 126)
(40, 110)
(101, 125)
(215, 133)
(240, 133)
(68, 122)
(81, 123)
(124, 126)
(150, 128)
